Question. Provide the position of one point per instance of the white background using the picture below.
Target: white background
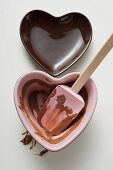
(93, 149)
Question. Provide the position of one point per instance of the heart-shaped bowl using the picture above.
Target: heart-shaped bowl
(55, 42)
(31, 91)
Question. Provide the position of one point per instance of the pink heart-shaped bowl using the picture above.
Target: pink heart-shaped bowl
(31, 91)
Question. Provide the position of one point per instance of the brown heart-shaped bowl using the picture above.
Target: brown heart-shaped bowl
(32, 89)
(55, 42)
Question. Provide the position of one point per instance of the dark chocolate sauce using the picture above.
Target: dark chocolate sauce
(43, 152)
(55, 42)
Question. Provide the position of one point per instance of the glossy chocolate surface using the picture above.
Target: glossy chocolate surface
(55, 42)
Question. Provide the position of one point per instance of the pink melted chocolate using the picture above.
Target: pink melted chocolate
(34, 113)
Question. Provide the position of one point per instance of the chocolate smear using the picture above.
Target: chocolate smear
(43, 152)
(28, 139)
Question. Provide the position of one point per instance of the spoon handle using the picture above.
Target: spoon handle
(93, 65)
